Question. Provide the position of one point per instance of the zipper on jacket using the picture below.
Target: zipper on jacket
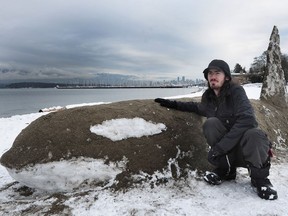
(216, 111)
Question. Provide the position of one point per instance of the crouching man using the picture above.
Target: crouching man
(230, 130)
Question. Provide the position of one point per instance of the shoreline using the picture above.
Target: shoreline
(118, 87)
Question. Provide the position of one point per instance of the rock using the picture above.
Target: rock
(273, 89)
(273, 120)
(66, 136)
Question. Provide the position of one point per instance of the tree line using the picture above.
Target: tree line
(256, 71)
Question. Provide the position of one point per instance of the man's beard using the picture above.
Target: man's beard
(214, 85)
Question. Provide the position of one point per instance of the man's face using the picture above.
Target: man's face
(216, 78)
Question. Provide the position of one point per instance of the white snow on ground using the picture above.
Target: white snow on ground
(190, 196)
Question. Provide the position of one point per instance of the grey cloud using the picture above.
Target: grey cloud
(94, 45)
(143, 38)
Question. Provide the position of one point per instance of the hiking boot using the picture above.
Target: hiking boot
(218, 175)
(212, 178)
(259, 179)
(264, 188)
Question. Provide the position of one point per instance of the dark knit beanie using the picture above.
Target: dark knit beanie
(218, 64)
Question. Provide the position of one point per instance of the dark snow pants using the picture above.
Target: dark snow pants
(252, 149)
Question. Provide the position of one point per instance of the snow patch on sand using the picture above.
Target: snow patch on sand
(123, 128)
(68, 174)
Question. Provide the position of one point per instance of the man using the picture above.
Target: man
(230, 130)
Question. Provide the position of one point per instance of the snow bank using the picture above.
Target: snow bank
(253, 91)
(85, 104)
(58, 108)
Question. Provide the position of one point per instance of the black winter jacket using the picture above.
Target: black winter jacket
(232, 108)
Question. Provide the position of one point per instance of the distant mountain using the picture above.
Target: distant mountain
(98, 79)
(31, 85)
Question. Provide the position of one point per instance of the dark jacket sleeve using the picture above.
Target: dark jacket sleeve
(196, 107)
(245, 119)
(187, 106)
(191, 106)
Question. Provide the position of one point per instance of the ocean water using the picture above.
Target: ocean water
(24, 101)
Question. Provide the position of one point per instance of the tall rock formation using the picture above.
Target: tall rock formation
(273, 89)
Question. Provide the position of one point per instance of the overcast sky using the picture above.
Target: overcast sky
(151, 39)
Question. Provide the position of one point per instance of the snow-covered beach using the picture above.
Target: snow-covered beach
(190, 196)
